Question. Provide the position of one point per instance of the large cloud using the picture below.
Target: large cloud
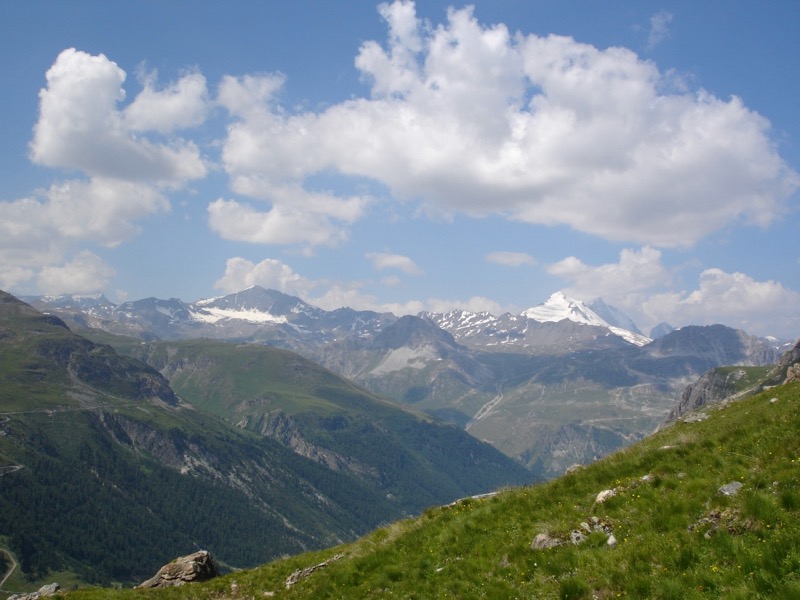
(128, 164)
(471, 118)
(267, 155)
(38, 231)
(735, 299)
(81, 127)
(181, 104)
(641, 285)
(621, 283)
(86, 273)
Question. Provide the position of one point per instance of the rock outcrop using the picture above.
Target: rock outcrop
(45, 590)
(309, 571)
(790, 362)
(714, 386)
(199, 566)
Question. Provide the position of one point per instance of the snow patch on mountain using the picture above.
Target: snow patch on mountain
(405, 357)
(637, 339)
(207, 301)
(213, 315)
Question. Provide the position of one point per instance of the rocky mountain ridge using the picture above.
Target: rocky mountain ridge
(731, 383)
(247, 312)
(556, 385)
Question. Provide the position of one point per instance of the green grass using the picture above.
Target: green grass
(676, 536)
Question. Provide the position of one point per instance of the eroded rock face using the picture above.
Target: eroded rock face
(793, 373)
(186, 569)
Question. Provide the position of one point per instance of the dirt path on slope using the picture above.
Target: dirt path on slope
(10, 571)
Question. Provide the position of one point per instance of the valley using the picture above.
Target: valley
(555, 386)
(706, 507)
(107, 472)
(282, 448)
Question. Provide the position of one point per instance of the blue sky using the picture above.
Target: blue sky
(402, 157)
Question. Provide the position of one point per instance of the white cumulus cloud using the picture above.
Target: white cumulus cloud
(38, 231)
(295, 217)
(637, 271)
(81, 127)
(734, 299)
(270, 273)
(644, 288)
(86, 273)
(127, 161)
(466, 117)
(268, 154)
(179, 105)
(101, 210)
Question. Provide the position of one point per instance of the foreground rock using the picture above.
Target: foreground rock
(186, 569)
(46, 590)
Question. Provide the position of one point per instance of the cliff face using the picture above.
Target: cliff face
(789, 366)
(713, 386)
(724, 383)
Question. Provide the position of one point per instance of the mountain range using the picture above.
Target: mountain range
(561, 383)
(108, 468)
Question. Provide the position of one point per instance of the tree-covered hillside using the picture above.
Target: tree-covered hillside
(406, 455)
(106, 473)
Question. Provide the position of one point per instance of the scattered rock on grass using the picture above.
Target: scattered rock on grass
(730, 489)
(543, 541)
(605, 495)
(198, 566)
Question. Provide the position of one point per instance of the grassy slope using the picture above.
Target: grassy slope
(677, 536)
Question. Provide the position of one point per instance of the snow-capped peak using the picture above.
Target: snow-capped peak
(559, 306)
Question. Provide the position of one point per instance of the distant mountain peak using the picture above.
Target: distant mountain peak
(77, 300)
(613, 315)
(254, 305)
(559, 307)
(661, 330)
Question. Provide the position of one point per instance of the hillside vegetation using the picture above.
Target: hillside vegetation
(666, 531)
(106, 473)
(402, 454)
